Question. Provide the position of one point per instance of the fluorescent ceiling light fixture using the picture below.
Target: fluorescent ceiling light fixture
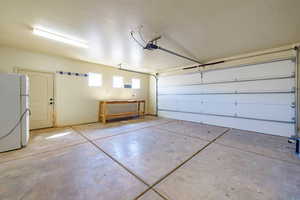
(49, 34)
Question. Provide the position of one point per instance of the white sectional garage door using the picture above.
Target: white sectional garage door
(258, 97)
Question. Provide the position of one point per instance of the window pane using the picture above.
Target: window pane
(136, 83)
(118, 82)
(95, 79)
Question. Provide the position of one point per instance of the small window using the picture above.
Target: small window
(136, 83)
(118, 82)
(95, 79)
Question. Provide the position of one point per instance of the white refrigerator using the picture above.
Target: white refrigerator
(14, 111)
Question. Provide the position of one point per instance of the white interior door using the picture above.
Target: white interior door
(41, 95)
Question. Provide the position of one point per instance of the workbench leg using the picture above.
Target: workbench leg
(100, 112)
(104, 113)
(139, 109)
(144, 111)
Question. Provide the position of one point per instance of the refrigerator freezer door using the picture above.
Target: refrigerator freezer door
(25, 108)
(9, 112)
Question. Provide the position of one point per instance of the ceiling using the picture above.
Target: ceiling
(202, 29)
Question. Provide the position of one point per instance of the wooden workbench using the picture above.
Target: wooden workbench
(103, 115)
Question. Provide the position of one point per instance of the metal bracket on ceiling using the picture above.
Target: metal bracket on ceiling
(120, 66)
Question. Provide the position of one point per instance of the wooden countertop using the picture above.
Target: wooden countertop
(122, 101)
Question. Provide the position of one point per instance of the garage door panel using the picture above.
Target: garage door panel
(274, 98)
(220, 109)
(209, 108)
(180, 79)
(285, 98)
(281, 129)
(182, 116)
(255, 111)
(270, 70)
(263, 106)
(269, 112)
(277, 69)
(191, 99)
(281, 85)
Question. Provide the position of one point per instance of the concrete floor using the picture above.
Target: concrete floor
(151, 159)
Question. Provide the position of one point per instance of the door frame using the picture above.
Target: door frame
(19, 69)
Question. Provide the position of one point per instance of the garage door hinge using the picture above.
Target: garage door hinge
(293, 105)
(293, 75)
(293, 119)
(293, 89)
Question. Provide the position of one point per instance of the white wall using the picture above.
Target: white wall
(152, 96)
(75, 101)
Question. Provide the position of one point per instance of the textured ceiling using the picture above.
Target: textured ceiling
(203, 29)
